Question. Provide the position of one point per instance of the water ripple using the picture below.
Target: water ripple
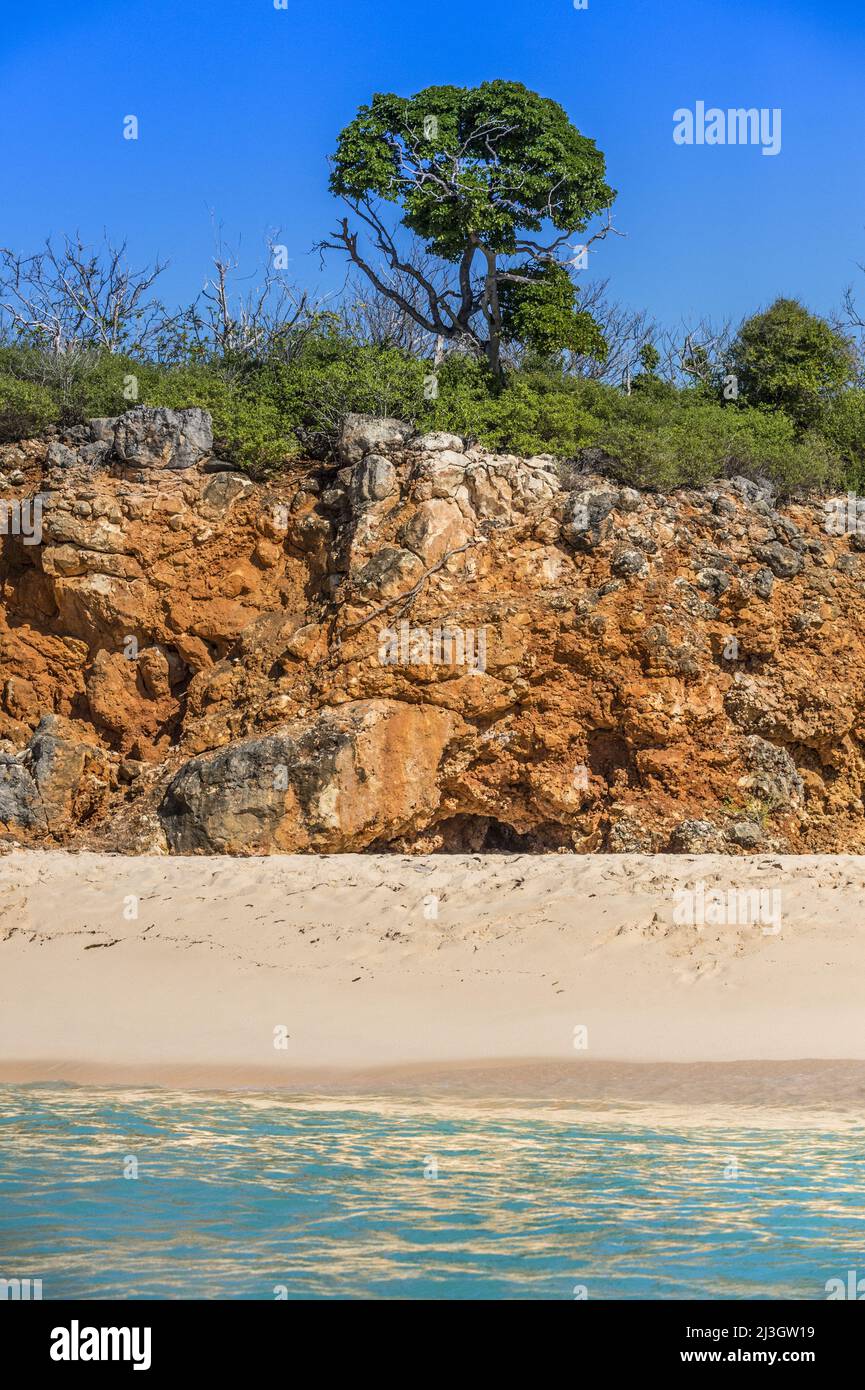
(241, 1195)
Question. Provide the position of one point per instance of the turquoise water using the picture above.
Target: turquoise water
(246, 1195)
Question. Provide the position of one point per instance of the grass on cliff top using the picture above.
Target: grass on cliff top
(266, 413)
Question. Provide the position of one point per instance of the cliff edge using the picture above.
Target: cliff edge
(422, 647)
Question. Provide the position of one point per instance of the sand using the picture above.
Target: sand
(522, 974)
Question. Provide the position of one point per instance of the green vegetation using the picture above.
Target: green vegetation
(787, 359)
(465, 316)
(660, 436)
(26, 408)
(478, 173)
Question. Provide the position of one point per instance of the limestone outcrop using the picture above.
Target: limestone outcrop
(419, 646)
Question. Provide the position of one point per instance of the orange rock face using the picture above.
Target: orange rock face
(428, 647)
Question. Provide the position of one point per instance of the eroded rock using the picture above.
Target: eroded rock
(442, 647)
(366, 434)
(155, 437)
(357, 775)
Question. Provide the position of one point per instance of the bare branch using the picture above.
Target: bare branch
(71, 298)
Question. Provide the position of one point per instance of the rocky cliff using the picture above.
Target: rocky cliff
(420, 647)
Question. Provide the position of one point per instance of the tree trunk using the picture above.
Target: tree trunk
(492, 312)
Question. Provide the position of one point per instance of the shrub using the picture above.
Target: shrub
(248, 427)
(767, 445)
(80, 384)
(788, 359)
(536, 412)
(659, 448)
(332, 378)
(265, 412)
(26, 409)
(844, 426)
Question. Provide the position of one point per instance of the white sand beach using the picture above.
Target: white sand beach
(375, 969)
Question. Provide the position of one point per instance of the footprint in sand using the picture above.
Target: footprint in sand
(694, 974)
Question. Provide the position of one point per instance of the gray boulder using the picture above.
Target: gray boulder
(56, 764)
(694, 837)
(628, 563)
(102, 429)
(781, 559)
(94, 455)
(584, 516)
(234, 801)
(716, 582)
(374, 479)
(60, 455)
(38, 786)
(390, 571)
(774, 775)
(763, 583)
(438, 442)
(630, 500)
(752, 491)
(367, 434)
(223, 489)
(154, 437)
(628, 836)
(747, 834)
(354, 776)
(20, 802)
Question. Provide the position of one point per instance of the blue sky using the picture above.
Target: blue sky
(239, 105)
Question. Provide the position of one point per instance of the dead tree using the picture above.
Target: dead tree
(70, 298)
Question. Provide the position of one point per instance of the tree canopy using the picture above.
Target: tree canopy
(493, 180)
(789, 359)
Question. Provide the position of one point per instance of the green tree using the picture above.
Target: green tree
(650, 359)
(541, 310)
(649, 383)
(495, 181)
(789, 359)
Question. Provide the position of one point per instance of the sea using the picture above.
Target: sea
(149, 1193)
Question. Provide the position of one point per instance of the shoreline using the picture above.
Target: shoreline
(815, 1084)
(561, 971)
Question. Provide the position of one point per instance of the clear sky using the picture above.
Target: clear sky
(239, 105)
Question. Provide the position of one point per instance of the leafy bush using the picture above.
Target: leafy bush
(265, 412)
(692, 443)
(789, 359)
(332, 378)
(248, 425)
(25, 409)
(844, 426)
(80, 384)
(536, 412)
